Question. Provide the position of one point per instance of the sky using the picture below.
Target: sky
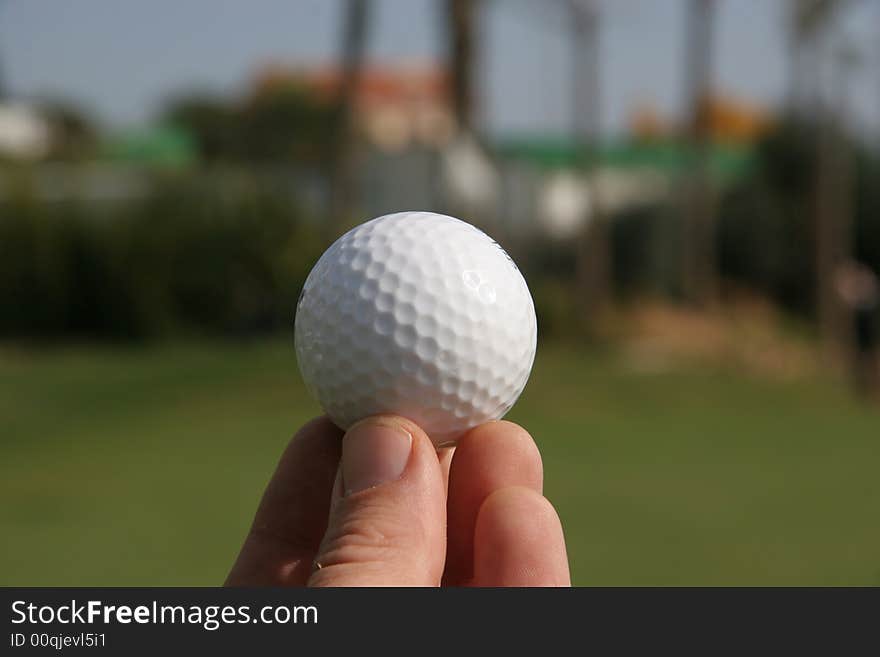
(122, 59)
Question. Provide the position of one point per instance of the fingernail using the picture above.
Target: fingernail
(374, 451)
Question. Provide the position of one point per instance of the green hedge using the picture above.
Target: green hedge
(183, 259)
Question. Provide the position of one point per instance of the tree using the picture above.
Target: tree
(352, 50)
(699, 266)
(830, 196)
(2, 84)
(808, 23)
(461, 26)
(805, 19)
(73, 134)
(286, 124)
(594, 252)
(280, 124)
(211, 121)
(833, 192)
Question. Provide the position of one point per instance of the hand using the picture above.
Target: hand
(370, 508)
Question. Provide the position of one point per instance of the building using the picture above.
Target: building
(24, 133)
(396, 107)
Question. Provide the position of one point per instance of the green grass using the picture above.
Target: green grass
(143, 467)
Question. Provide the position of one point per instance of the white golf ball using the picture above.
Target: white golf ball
(417, 314)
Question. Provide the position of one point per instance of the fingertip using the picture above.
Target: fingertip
(375, 451)
(321, 425)
(317, 433)
(519, 541)
(312, 453)
(423, 450)
(518, 511)
(392, 420)
(504, 452)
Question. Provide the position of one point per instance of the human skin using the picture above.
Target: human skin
(379, 505)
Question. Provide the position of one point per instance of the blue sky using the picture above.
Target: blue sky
(122, 58)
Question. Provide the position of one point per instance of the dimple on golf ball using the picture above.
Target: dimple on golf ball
(417, 314)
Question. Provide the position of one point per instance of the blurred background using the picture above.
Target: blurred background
(691, 188)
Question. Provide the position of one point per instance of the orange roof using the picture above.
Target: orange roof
(728, 120)
(732, 120)
(378, 85)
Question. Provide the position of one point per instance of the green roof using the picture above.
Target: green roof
(726, 160)
(158, 146)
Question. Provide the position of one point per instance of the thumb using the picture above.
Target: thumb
(387, 524)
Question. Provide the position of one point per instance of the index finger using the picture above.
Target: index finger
(292, 516)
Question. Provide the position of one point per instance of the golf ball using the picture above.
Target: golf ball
(417, 314)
